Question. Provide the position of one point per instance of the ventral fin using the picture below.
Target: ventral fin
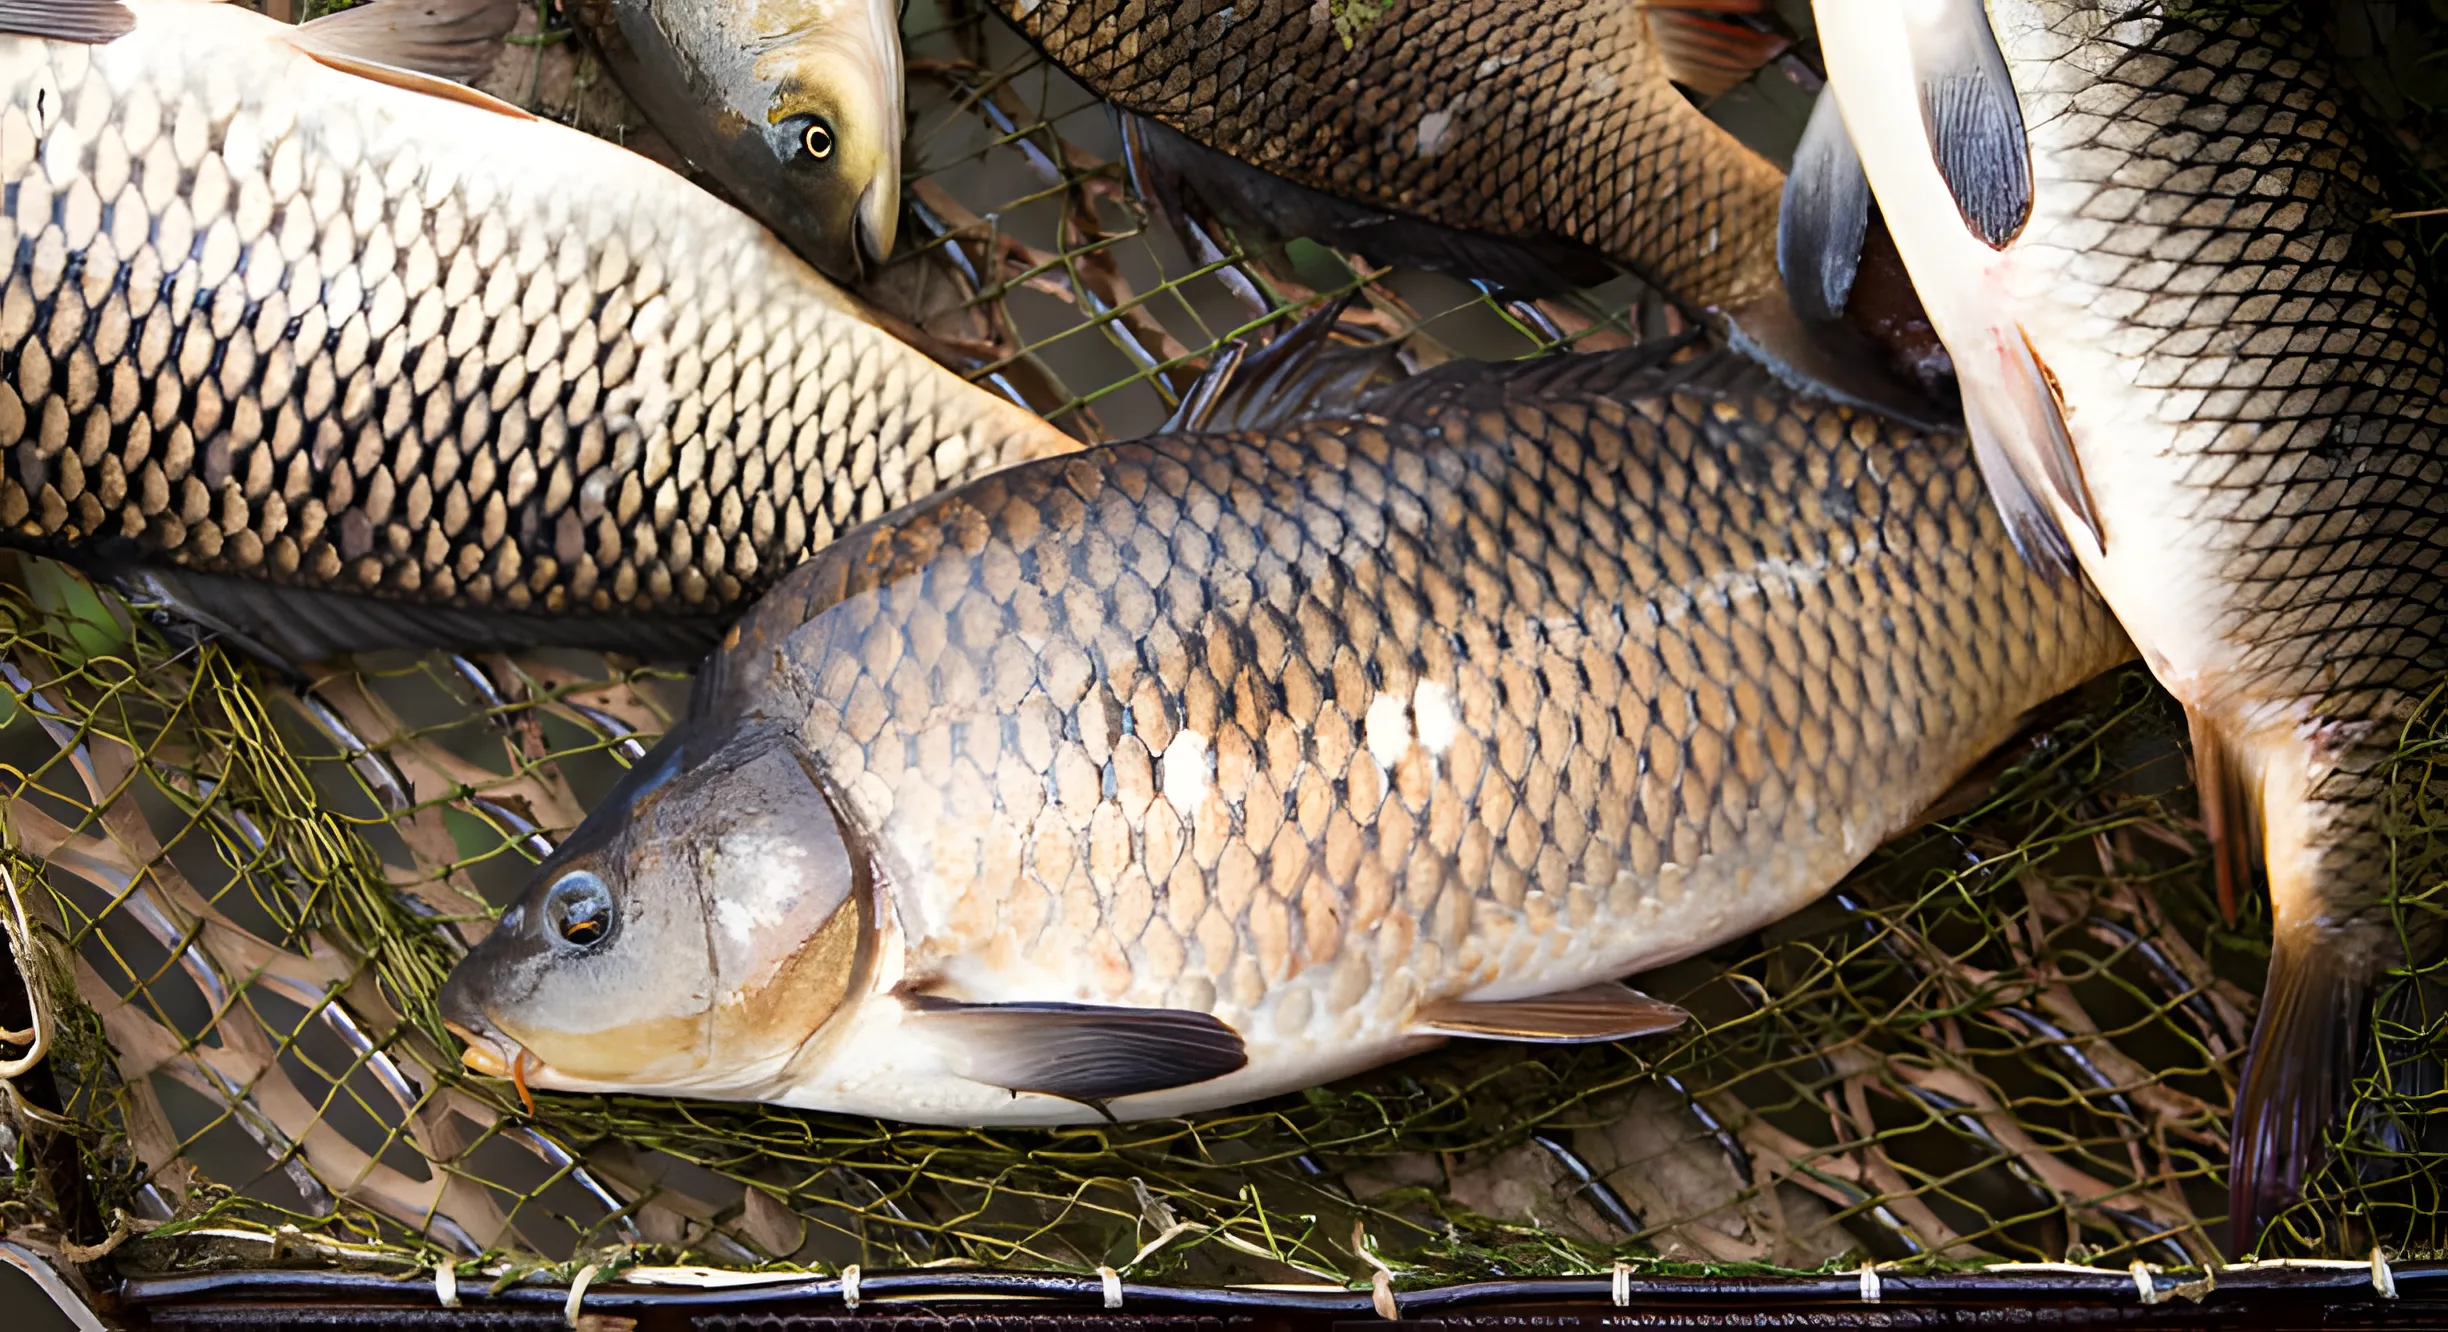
(412, 81)
(94, 21)
(2302, 1057)
(1972, 116)
(1609, 1012)
(1710, 55)
(1081, 1052)
(1824, 217)
(2026, 453)
(2230, 809)
(444, 39)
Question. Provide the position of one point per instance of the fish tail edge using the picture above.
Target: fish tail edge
(2295, 1072)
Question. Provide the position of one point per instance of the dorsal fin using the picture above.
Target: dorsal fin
(444, 39)
(412, 81)
(93, 21)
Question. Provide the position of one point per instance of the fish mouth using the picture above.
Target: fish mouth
(874, 222)
(484, 1055)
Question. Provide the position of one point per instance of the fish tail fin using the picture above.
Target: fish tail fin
(2326, 948)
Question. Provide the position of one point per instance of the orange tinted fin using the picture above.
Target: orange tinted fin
(2230, 810)
(2026, 453)
(2295, 1074)
(93, 21)
(1709, 55)
(448, 39)
(1609, 1012)
(412, 81)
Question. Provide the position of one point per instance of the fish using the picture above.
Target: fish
(332, 354)
(1185, 771)
(793, 107)
(1539, 144)
(2200, 369)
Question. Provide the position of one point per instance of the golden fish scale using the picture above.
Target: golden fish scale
(1741, 635)
(2206, 214)
(272, 320)
(1541, 120)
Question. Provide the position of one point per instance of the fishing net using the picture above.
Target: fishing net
(2012, 1035)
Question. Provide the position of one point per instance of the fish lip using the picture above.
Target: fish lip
(874, 227)
(485, 1050)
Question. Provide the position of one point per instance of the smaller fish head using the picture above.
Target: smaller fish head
(693, 942)
(830, 133)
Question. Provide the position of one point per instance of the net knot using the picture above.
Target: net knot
(1113, 1286)
(446, 1285)
(849, 1280)
(1870, 1291)
(1622, 1285)
(2383, 1279)
(2144, 1286)
(569, 1308)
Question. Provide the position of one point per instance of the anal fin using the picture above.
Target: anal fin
(1608, 1012)
(93, 21)
(2230, 809)
(1081, 1052)
(1709, 56)
(2026, 453)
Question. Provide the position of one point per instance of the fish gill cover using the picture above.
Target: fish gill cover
(2013, 1034)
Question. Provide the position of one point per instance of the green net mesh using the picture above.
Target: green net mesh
(2013, 1034)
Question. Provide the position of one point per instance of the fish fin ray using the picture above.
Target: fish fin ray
(2026, 453)
(1709, 56)
(1083, 1052)
(1824, 216)
(1831, 360)
(1301, 372)
(1608, 1012)
(1973, 119)
(409, 80)
(2230, 809)
(94, 22)
(443, 39)
(288, 625)
(2296, 1072)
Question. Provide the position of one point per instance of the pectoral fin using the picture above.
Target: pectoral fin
(1824, 216)
(1972, 116)
(1081, 1052)
(1609, 1012)
(95, 21)
(2026, 453)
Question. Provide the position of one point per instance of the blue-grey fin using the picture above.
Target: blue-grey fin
(1608, 1012)
(1972, 116)
(94, 21)
(448, 39)
(1169, 166)
(2027, 456)
(296, 625)
(1825, 215)
(1301, 372)
(1080, 1052)
(1830, 360)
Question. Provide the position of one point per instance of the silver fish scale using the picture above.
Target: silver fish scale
(2205, 213)
(268, 319)
(1525, 688)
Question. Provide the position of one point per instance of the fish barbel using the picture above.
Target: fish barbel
(282, 322)
(1200, 768)
(2200, 366)
(1539, 140)
(794, 106)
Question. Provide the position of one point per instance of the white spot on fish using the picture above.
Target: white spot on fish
(1433, 128)
(1600, 79)
(1185, 772)
(1710, 247)
(1432, 706)
(1389, 730)
(1027, 7)
(1494, 63)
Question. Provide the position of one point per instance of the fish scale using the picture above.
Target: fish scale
(1516, 118)
(1523, 679)
(272, 320)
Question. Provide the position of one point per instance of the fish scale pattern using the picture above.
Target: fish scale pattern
(1514, 118)
(268, 319)
(1522, 679)
(2207, 220)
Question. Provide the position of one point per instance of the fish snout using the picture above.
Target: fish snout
(488, 1050)
(875, 221)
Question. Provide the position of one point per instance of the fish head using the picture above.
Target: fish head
(692, 941)
(816, 124)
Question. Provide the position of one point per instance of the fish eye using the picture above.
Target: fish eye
(578, 910)
(817, 139)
